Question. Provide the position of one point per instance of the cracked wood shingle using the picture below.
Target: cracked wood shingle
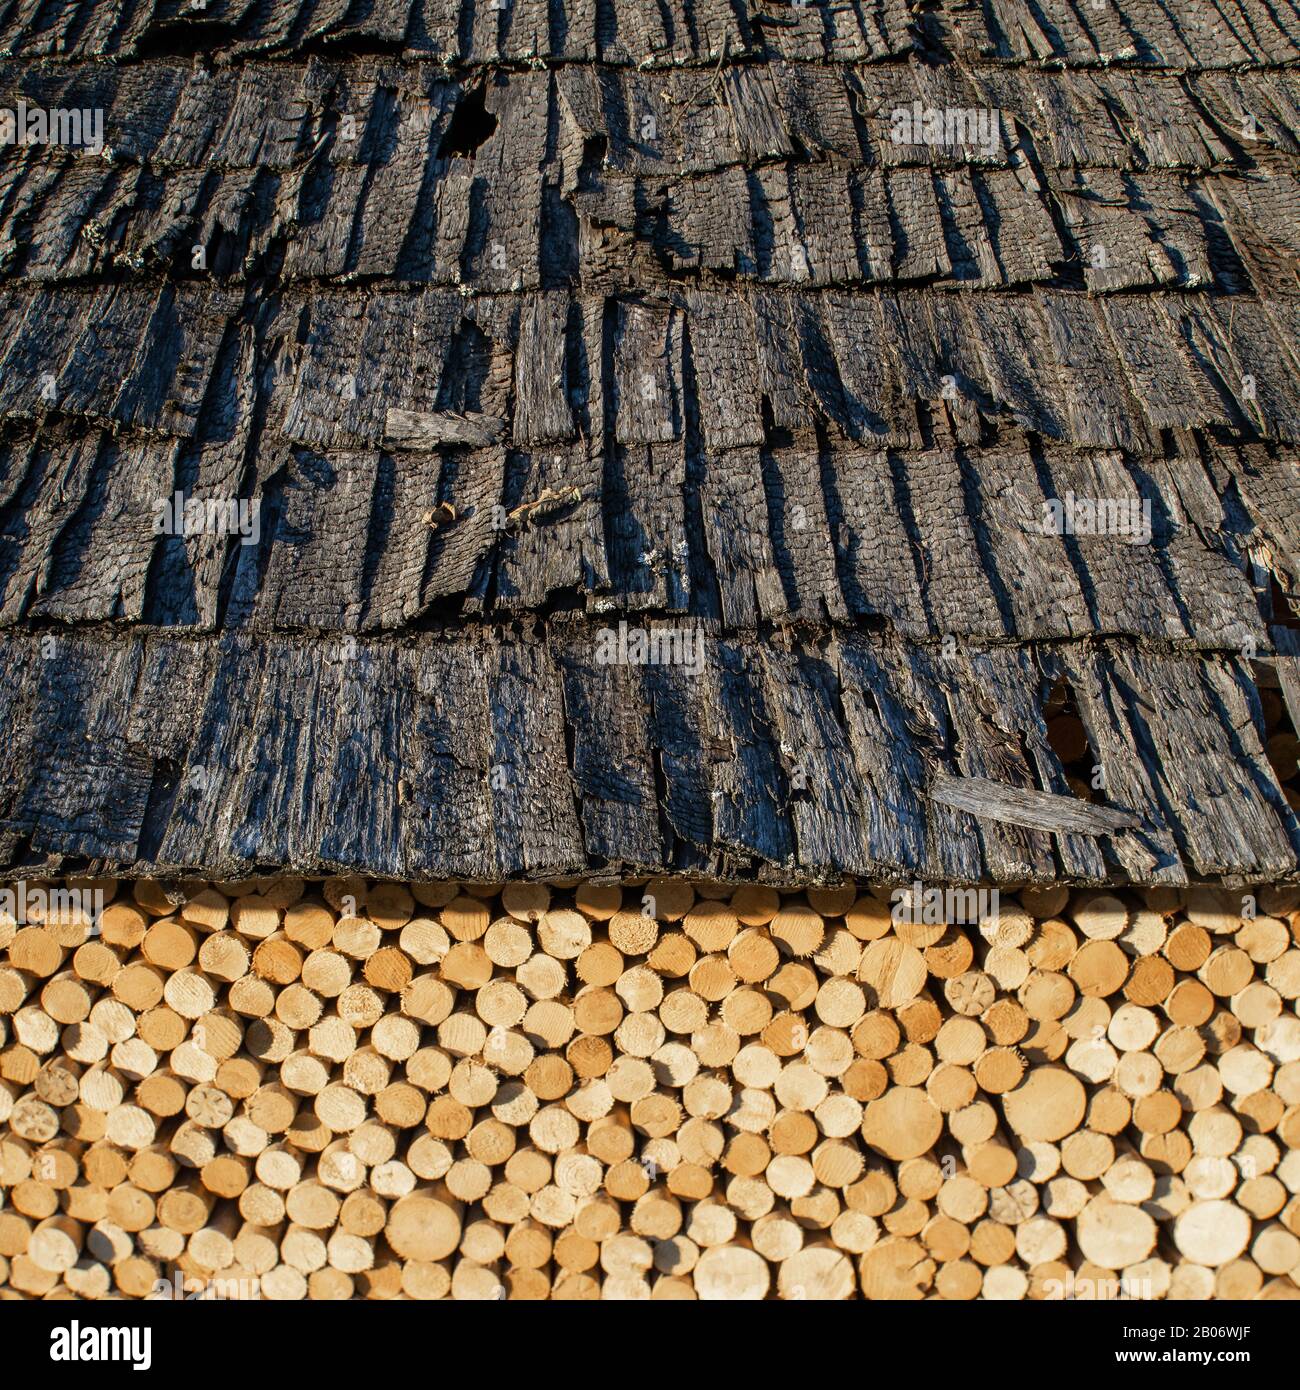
(553, 540)
(750, 798)
(534, 808)
(644, 497)
(607, 706)
(447, 809)
(85, 794)
(726, 379)
(1204, 755)
(800, 531)
(957, 590)
(314, 575)
(875, 559)
(1028, 565)
(1100, 414)
(826, 796)
(982, 689)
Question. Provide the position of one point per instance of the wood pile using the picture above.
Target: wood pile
(658, 1089)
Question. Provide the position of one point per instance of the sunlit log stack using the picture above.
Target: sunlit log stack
(350, 1089)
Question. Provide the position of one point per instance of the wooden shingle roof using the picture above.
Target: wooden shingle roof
(514, 323)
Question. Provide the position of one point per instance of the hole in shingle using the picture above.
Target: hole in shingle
(595, 149)
(471, 124)
(1068, 737)
(1282, 601)
(466, 370)
(1281, 746)
(774, 436)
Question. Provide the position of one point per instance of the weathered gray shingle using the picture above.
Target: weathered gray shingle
(921, 362)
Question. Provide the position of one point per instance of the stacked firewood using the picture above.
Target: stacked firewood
(662, 1089)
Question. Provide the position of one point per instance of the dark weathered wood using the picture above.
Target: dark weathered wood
(751, 813)
(533, 804)
(647, 375)
(1026, 562)
(1164, 121)
(1258, 369)
(447, 798)
(1100, 413)
(781, 377)
(956, 587)
(875, 556)
(516, 322)
(644, 503)
(890, 767)
(66, 803)
(800, 531)
(98, 566)
(1213, 592)
(542, 411)
(1286, 666)
(1171, 390)
(708, 222)
(315, 569)
(737, 536)
(864, 396)
(1122, 775)
(1098, 511)
(756, 115)
(826, 799)
(1019, 225)
(982, 689)
(449, 757)
(188, 571)
(1221, 796)
(726, 379)
(919, 249)
(1012, 340)
(228, 805)
(970, 244)
(551, 538)
(1018, 682)
(606, 705)
(683, 743)
(49, 483)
